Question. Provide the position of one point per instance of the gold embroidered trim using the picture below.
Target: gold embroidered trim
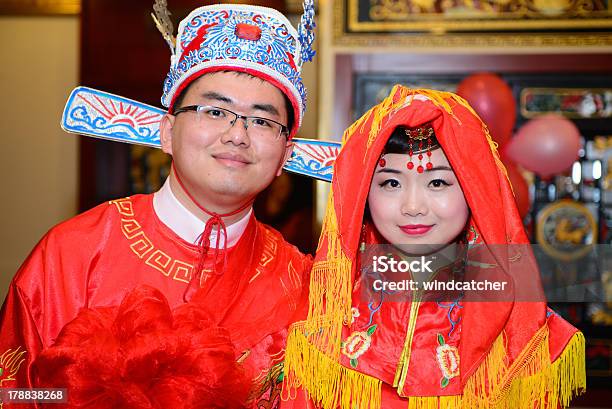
(404, 361)
(530, 381)
(178, 270)
(143, 247)
(10, 361)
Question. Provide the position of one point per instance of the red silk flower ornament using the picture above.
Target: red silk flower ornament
(492, 99)
(546, 145)
(143, 355)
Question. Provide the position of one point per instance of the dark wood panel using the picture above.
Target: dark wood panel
(472, 62)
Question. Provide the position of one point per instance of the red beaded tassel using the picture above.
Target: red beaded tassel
(420, 167)
(418, 134)
(410, 165)
(429, 164)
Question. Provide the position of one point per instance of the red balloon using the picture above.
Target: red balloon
(520, 188)
(492, 99)
(546, 145)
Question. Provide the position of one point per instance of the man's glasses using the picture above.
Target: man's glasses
(221, 120)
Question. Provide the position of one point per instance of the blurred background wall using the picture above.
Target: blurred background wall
(39, 161)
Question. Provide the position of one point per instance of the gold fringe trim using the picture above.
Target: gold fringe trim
(531, 378)
(328, 383)
(404, 361)
(437, 402)
(531, 381)
(493, 146)
(330, 289)
(399, 98)
(568, 372)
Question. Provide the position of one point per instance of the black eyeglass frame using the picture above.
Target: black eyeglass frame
(195, 108)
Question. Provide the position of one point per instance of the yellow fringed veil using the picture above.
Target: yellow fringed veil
(512, 354)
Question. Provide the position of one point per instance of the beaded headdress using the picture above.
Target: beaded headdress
(421, 141)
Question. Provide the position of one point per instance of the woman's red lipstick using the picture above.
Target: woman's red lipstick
(415, 229)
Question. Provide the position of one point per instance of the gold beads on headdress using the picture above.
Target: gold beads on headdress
(420, 140)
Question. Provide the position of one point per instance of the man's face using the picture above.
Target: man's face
(226, 168)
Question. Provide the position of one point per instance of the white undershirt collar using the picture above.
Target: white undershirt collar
(186, 225)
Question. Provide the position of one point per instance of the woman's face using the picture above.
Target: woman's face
(424, 211)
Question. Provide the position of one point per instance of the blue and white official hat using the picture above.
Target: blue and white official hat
(251, 39)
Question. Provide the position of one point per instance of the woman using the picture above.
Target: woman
(420, 172)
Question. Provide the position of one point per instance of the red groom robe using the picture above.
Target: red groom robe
(95, 258)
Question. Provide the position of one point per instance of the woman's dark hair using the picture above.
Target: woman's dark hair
(398, 142)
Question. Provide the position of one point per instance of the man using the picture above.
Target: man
(235, 99)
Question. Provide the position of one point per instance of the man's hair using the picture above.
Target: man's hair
(288, 105)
